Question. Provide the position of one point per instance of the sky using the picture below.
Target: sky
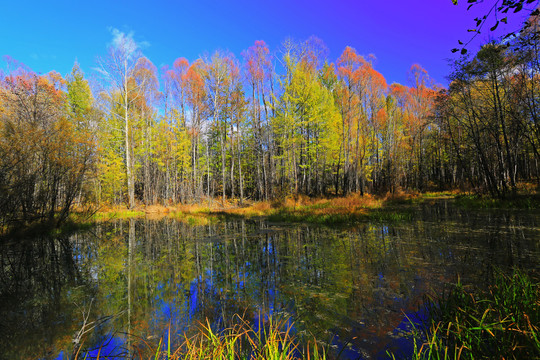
(52, 35)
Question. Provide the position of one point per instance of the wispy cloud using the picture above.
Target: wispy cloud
(122, 39)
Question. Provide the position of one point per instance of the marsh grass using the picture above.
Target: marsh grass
(389, 207)
(347, 210)
(389, 216)
(271, 340)
(501, 322)
(529, 201)
(118, 214)
(386, 216)
(325, 211)
(194, 219)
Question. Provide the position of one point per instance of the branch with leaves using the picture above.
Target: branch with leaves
(498, 13)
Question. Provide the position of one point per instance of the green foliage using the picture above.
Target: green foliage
(111, 167)
(305, 126)
(78, 93)
(112, 176)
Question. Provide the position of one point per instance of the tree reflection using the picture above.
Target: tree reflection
(348, 287)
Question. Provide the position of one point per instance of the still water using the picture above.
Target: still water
(350, 287)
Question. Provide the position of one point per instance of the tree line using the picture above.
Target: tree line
(489, 114)
(264, 126)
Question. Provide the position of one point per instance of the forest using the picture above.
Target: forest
(264, 125)
(276, 202)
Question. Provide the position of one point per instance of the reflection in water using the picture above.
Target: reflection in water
(348, 287)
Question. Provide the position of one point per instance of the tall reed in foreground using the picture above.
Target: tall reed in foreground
(272, 340)
(501, 322)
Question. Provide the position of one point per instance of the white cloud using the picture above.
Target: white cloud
(121, 39)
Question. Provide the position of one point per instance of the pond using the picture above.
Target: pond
(350, 287)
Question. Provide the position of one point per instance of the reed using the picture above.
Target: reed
(501, 322)
(272, 340)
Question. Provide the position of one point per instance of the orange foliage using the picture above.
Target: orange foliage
(258, 62)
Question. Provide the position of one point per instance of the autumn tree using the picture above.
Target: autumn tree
(305, 129)
(215, 127)
(221, 74)
(361, 94)
(144, 77)
(478, 113)
(526, 53)
(45, 153)
(117, 70)
(258, 73)
(421, 97)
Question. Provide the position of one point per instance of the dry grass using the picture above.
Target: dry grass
(298, 208)
(292, 208)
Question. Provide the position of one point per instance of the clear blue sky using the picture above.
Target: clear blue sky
(51, 35)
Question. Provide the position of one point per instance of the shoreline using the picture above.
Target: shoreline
(327, 211)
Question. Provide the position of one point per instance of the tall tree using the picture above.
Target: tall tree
(145, 78)
(117, 68)
(221, 72)
(259, 73)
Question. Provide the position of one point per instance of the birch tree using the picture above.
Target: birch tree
(117, 69)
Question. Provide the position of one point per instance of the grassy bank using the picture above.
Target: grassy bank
(328, 211)
(501, 322)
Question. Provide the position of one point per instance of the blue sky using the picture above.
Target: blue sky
(51, 35)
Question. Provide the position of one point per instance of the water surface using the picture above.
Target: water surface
(350, 287)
